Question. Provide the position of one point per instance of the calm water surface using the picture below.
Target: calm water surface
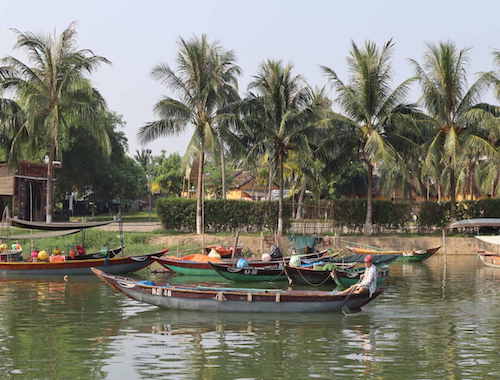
(434, 321)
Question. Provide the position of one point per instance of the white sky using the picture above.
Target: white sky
(136, 35)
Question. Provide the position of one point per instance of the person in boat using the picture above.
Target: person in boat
(368, 282)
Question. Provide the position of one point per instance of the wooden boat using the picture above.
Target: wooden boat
(308, 276)
(341, 277)
(403, 256)
(224, 251)
(186, 264)
(344, 278)
(98, 255)
(243, 300)
(250, 274)
(490, 259)
(56, 226)
(117, 265)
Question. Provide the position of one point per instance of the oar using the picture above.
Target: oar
(344, 307)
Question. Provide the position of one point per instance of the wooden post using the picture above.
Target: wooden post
(235, 245)
(444, 241)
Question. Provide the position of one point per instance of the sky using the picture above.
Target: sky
(137, 35)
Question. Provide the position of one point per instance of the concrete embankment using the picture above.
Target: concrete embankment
(257, 244)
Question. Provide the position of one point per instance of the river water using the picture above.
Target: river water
(439, 319)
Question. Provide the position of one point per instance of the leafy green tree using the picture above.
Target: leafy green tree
(204, 75)
(53, 92)
(460, 122)
(167, 172)
(369, 104)
(280, 106)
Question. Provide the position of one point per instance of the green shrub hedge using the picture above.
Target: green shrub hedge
(221, 215)
(231, 215)
(433, 214)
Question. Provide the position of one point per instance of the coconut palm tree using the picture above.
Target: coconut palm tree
(204, 77)
(370, 104)
(460, 122)
(281, 105)
(54, 94)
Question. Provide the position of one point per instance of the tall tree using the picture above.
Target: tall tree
(460, 122)
(369, 104)
(281, 105)
(53, 92)
(204, 75)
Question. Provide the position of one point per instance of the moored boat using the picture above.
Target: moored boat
(118, 265)
(250, 274)
(191, 264)
(402, 255)
(247, 300)
(344, 278)
(66, 226)
(489, 259)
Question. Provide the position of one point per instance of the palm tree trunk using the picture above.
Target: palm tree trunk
(368, 230)
(270, 183)
(280, 203)
(453, 191)
(200, 195)
(50, 185)
(300, 203)
(222, 169)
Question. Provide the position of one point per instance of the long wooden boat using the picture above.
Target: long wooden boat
(183, 265)
(99, 255)
(116, 265)
(490, 259)
(213, 299)
(403, 256)
(250, 274)
(56, 226)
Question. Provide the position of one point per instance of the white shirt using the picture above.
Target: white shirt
(369, 279)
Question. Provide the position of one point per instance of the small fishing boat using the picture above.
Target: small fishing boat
(250, 274)
(56, 226)
(244, 300)
(116, 265)
(410, 256)
(308, 276)
(345, 278)
(224, 251)
(489, 259)
(200, 264)
(110, 253)
(341, 275)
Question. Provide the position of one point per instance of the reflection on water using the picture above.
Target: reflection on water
(438, 319)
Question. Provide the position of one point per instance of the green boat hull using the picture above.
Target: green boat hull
(346, 282)
(413, 259)
(193, 271)
(238, 277)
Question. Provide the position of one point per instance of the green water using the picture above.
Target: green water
(433, 322)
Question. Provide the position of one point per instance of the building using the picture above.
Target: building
(23, 188)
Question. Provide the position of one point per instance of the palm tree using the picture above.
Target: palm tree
(51, 89)
(460, 122)
(282, 108)
(370, 104)
(205, 74)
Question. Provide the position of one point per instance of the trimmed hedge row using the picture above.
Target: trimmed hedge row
(230, 215)
(432, 214)
(221, 215)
